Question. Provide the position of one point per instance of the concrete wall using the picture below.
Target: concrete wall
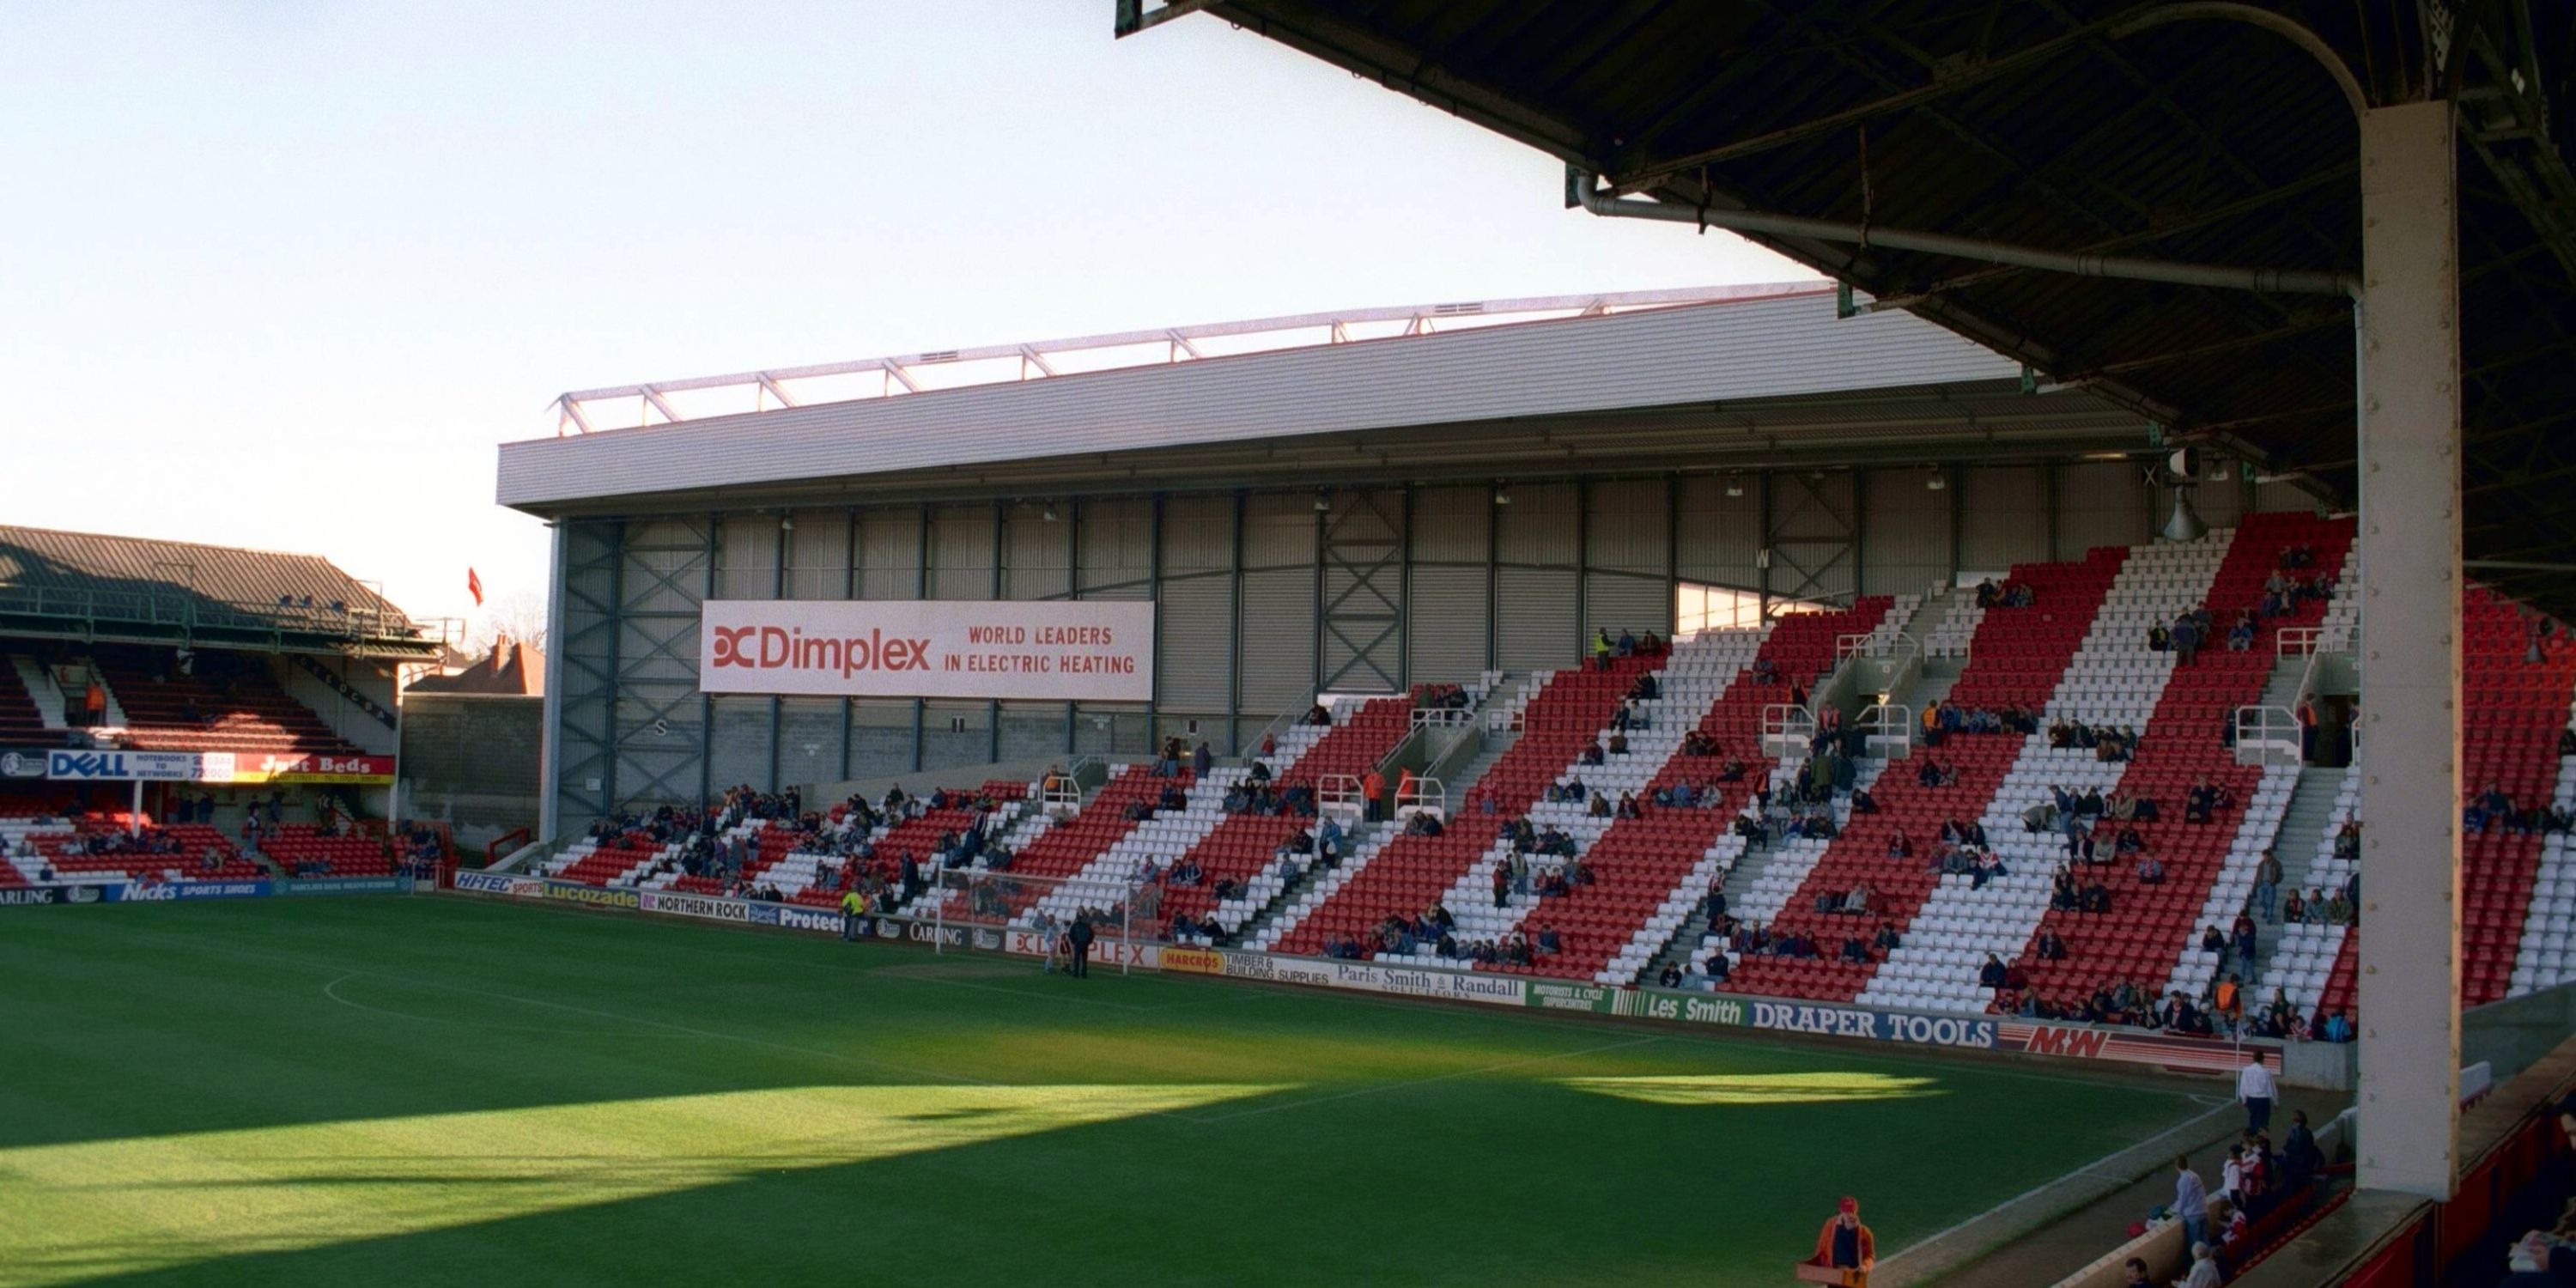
(345, 718)
(472, 762)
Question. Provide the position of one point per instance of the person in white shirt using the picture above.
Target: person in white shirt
(2254, 1086)
(2191, 1201)
(2204, 1268)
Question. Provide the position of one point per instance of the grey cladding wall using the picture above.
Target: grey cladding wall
(1259, 595)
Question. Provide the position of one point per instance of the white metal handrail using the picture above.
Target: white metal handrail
(1888, 729)
(1059, 792)
(1443, 718)
(1421, 794)
(1340, 794)
(1900, 644)
(2267, 735)
(1788, 725)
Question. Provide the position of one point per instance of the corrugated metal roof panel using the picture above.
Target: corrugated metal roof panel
(1765, 348)
(47, 559)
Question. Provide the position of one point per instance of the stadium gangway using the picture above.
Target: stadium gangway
(1888, 729)
(1787, 730)
(1895, 666)
(2267, 735)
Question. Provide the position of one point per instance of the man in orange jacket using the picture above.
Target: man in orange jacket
(1845, 1243)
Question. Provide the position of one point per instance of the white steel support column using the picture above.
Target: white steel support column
(2409, 370)
(550, 748)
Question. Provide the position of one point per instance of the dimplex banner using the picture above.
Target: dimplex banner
(1039, 650)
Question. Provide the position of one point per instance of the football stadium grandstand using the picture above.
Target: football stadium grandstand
(1573, 790)
(182, 713)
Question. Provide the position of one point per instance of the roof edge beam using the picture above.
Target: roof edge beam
(1581, 190)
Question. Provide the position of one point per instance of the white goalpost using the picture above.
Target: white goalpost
(1031, 916)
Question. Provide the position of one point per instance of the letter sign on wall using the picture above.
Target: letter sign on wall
(1037, 650)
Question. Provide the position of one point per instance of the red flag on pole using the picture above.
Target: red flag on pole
(474, 586)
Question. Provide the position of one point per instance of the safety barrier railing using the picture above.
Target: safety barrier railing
(1887, 729)
(1443, 718)
(1787, 729)
(2267, 735)
(1059, 793)
(1340, 794)
(1420, 794)
(1893, 645)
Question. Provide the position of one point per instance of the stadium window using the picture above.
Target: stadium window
(1700, 606)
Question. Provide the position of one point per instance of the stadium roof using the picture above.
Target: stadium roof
(2214, 133)
(1742, 377)
(134, 588)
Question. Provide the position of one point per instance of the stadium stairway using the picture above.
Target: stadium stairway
(1167, 837)
(1559, 713)
(2296, 957)
(1246, 917)
(615, 862)
(1691, 684)
(1650, 872)
(2142, 937)
(2543, 960)
(2197, 969)
(2513, 706)
(1245, 847)
(2114, 679)
(2016, 655)
(26, 717)
(1317, 887)
(919, 837)
(2515, 699)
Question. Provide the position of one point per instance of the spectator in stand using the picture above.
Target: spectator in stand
(1991, 975)
(1202, 760)
(2204, 1265)
(2151, 870)
(2300, 1157)
(2185, 638)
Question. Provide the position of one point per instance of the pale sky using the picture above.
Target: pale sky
(283, 274)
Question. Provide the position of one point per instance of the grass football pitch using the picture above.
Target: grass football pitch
(378, 1092)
